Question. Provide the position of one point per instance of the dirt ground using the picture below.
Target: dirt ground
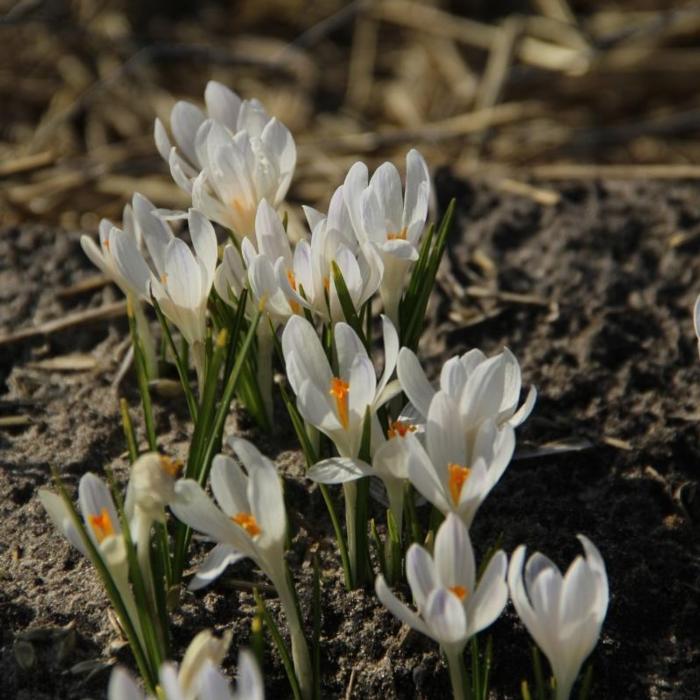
(592, 292)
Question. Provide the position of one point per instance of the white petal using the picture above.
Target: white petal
(222, 104)
(212, 684)
(250, 682)
(424, 477)
(184, 282)
(444, 435)
(339, 470)
(185, 119)
(595, 561)
(453, 377)
(156, 233)
(391, 351)
(229, 485)
(417, 194)
(129, 261)
(353, 187)
(454, 557)
(160, 136)
(421, 574)
(95, 499)
(445, 618)
(123, 687)
(491, 595)
(214, 564)
(300, 337)
(363, 385)
(203, 240)
(61, 518)
(386, 183)
(397, 608)
(414, 382)
(193, 507)
(525, 410)
(349, 347)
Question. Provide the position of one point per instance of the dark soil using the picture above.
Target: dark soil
(592, 294)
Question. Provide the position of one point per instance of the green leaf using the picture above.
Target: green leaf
(346, 304)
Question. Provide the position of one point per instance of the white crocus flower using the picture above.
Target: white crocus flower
(333, 241)
(451, 605)
(456, 471)
(151, 488)
(482, 387)
(389, 219)
(564, 614)
(251, 522)
(336, 404)
(199, 676)
(103, 258)
(103, 528)
(267, 257)
(230, 158)
(180, 280)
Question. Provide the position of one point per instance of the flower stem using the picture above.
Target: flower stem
(458, 674)
(264, 360)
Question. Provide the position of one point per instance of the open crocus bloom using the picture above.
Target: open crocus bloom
(455, 471)
(336, 403)
(180, 281)
(451, 606)
(250, 520)
(564, 614)
(199, 676)
(333, 240)
(102, 256)
(103, 528)
(230, 158)
(270, 263)
(481, 387)
(391, 220)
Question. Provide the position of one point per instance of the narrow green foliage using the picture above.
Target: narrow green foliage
(393, 546)
(486, 674)
(361, 566)
(180, 361)
(128, 427)
(149, 675)
(415, 300)
(142, 378)
(585, 689)
(539, 676)
(279, 643)
(379, 549)
(316, 640)
(346, 304)
(257, 639)
(525, 690)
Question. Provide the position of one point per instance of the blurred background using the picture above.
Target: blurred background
(516, 92)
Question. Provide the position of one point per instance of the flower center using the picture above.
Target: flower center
(459, 591)
(101, 525)
(400, 236)
(248, 522)
(457, 476)
(293, 304)
(399, 428)
(339, 390)
(171, 466)
(326, 283)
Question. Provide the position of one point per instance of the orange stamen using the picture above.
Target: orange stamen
(171, 466)
(399, 428)
(105, 243)
(458, 475)
(164, 279)
(401, 235)
(291, 278)
(101, 525)
(459, 591)
(326, 283)
(248, 523)
(340, 389)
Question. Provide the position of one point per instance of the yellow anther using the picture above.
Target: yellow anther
(164, 279)
(101, 525)
(457, 476)
(248, 522)
(291, 278)
(326, 283)
(339, 390)
(399, 428)
(400, 236)
(172, 467)
(221, 338)
(460, 591)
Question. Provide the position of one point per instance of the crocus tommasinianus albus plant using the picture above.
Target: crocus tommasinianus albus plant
(180, 280)
(251, 521)
(230, 158)
(451, 606)
(564, 614)
(199, 676)
(390, 219)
